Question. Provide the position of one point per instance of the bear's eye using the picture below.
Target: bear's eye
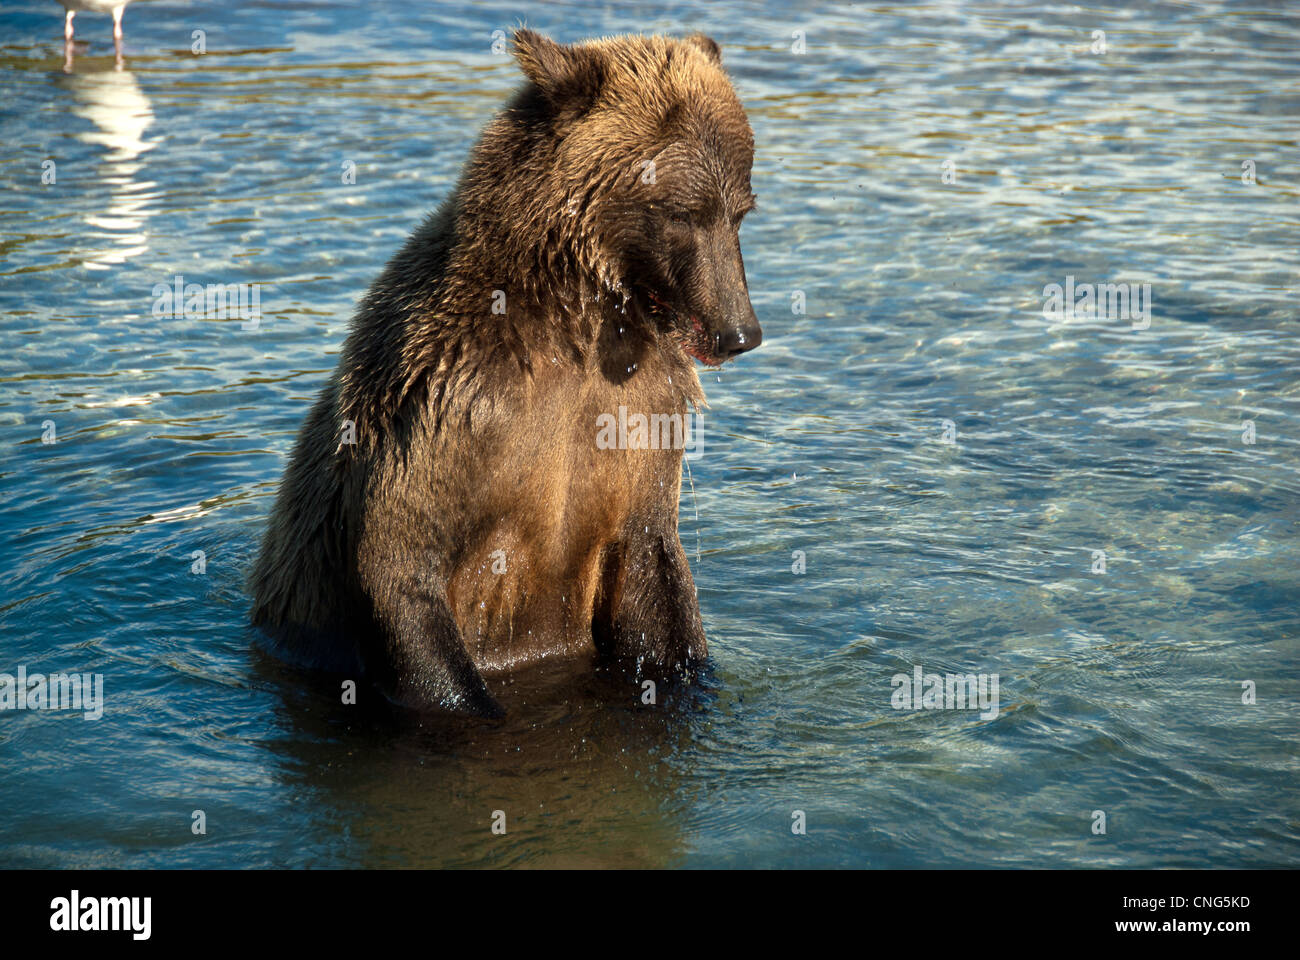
(740, 214)
(680, 217)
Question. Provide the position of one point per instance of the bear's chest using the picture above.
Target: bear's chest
(590, 469)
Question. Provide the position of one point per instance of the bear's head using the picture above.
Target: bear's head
(646, 152)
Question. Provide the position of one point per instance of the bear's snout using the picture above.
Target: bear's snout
(734, 341)
(732, 328)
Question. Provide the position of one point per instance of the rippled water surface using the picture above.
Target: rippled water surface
(1078, 445)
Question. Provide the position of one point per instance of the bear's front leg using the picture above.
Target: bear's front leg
(424, 664)
(648, 612)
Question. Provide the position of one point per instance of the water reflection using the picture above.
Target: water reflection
(579, 771)
(110, 97)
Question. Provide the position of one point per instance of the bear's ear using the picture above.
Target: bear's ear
(707, 45)
(569, 77)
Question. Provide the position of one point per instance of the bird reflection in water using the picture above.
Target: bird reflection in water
(120, 113)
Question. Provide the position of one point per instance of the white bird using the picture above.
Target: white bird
(115, 7)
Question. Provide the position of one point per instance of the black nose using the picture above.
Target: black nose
(734, 341)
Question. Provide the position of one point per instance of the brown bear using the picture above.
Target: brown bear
(447, 513)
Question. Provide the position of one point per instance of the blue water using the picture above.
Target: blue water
(1120, 691)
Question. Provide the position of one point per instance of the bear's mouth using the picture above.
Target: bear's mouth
(688, 332)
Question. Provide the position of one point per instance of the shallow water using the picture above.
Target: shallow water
(1120, 691)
